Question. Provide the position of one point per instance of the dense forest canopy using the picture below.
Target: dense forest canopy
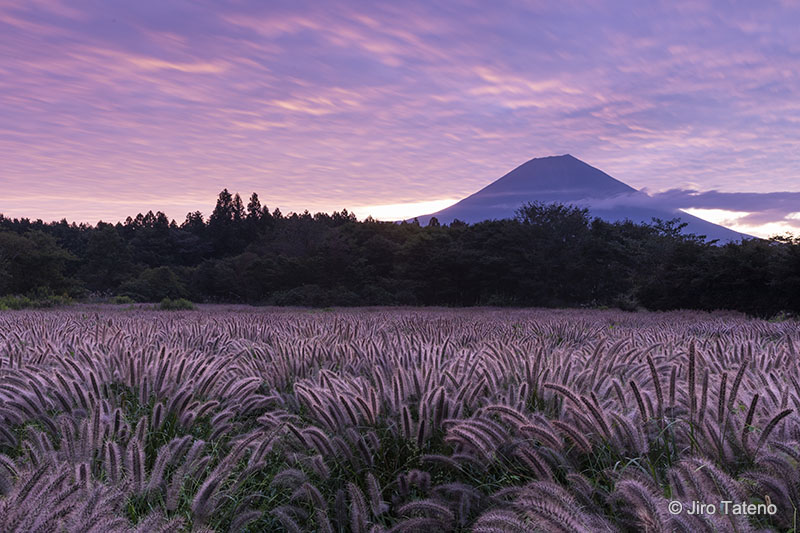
(549, 255)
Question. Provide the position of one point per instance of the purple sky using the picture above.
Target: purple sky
(111, 108)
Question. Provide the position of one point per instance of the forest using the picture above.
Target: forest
(550, 255)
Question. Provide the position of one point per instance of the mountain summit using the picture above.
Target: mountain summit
(567, 180)
(555, 176)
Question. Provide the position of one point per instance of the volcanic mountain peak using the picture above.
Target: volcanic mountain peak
(560, 175)
(567, 180)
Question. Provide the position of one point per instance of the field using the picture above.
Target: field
(242, 419)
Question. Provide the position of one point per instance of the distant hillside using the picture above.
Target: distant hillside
(565, 179)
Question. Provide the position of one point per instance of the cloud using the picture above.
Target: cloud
(757, 209)
(786, 202)
(324, 105)
(761, 214)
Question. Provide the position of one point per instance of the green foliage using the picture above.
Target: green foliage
(122, 300)
(784, 316)
(550, 255)
(15, 302)
(107, 262)
(33, 261)
(37, 301)
(154, 284)
(315, 296)
(179, 304)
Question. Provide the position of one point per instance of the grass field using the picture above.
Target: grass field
(367, 420)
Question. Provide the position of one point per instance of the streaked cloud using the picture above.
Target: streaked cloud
(107, 109)
(760, 214)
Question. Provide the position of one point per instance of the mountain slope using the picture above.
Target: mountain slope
(565, 179)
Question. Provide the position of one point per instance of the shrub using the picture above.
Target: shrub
(784, 316)
(33, 302)
(154, 284)
(303, 296)
(179, 304)
(14, 302)
(122, 300)
(315, 296)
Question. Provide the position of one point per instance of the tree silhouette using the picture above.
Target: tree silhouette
(549, 255)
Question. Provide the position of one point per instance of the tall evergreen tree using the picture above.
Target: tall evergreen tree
(237, 209)
(254, 208)
(223, 211)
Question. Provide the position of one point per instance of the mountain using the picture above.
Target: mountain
(567, 180)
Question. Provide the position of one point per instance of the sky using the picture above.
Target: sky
(394, 109)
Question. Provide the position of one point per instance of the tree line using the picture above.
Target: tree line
(548, 255)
